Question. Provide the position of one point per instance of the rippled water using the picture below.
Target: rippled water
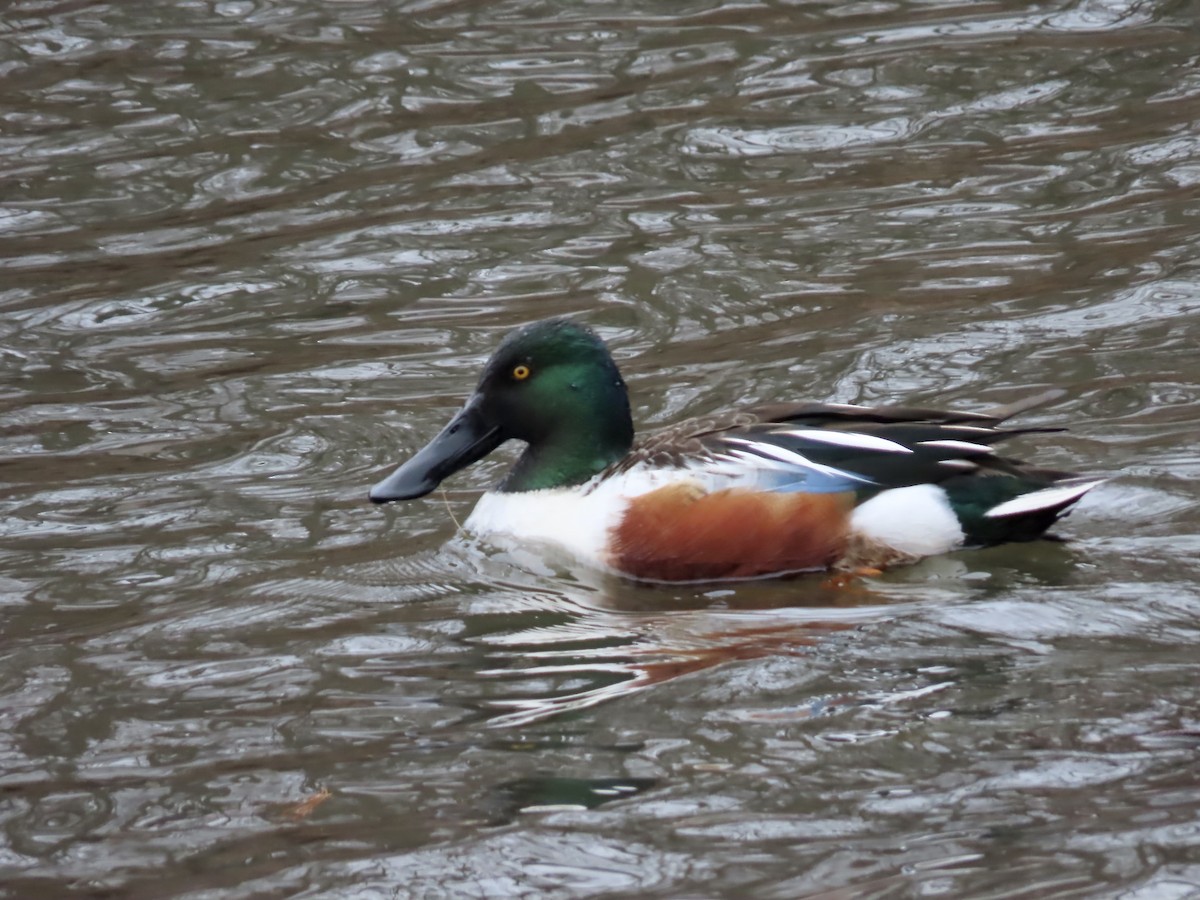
(251, 254)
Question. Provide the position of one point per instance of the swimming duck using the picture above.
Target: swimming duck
(762, 491)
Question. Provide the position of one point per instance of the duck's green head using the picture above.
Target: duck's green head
(552, 384)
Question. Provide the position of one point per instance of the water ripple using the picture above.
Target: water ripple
(253, 254)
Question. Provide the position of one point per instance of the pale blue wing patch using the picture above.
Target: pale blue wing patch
(770, 467)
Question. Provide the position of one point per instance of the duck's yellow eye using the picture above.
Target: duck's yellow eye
(521, 372)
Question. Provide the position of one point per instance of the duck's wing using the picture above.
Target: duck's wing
(822, 447)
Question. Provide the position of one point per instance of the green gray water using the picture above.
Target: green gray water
(252, 253)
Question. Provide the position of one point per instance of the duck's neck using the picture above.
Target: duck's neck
(570, 456)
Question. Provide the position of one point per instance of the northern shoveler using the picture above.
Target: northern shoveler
(763, 491)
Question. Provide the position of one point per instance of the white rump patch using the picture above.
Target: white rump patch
(916, 520)
(851, 439)
(1046, 498)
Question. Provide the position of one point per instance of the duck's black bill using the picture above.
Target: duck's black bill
(468, 437)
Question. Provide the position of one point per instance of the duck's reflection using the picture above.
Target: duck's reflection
(591, 640)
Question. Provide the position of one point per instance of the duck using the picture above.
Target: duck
(770, 490)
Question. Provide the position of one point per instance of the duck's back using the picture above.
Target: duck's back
(812, 486)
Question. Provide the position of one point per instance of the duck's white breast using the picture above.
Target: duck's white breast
(579, 523)
(579, 519)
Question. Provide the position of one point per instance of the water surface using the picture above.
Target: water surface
(252, 254)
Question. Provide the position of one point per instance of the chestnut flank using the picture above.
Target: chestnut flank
(682, 533)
